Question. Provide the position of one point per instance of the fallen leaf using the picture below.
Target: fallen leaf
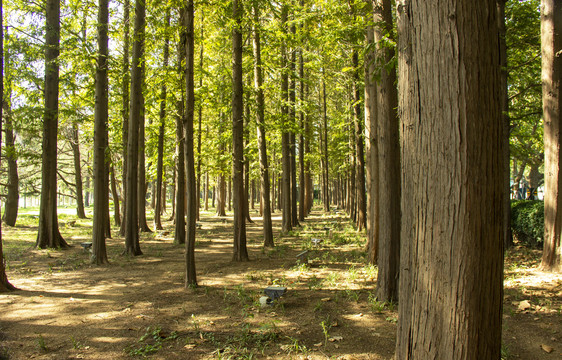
(325, 299)
(546, 348)
(190, 346)
(336, 338)
(318, 344)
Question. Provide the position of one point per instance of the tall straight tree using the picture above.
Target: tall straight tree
(359, 146)
(179, 233)
(190, 274)
(292, 134)
(240, 251)
(551, 42)
(161, 127)
(262, 146)
(372, 166)
(287, 219)
(452, 224)
(48, 234)
(132, 245)
(325, 188)
(389, 158)
(125, 73)
(101, 189)
(4, 283)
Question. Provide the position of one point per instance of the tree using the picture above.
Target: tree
(12, 197)
(4, 283)
(551, 40)
(190, 274)
(48, 234)
(160, 165)
(101, 182)
(260, 115)
(125, 73)
(389, 157)
(287, 218)
(132, 246)
(75, 144)
(359, 146)
(240, 251)
(452, 181)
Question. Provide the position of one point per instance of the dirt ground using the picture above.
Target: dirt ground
(66, 308)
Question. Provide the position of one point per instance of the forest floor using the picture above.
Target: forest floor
(66, 308)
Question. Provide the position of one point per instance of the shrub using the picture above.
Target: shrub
(527, 222)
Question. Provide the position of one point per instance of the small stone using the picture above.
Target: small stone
(524, 305)
(547, 349)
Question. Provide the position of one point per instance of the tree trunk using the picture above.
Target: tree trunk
(132, 246)
(115, 193)
(160, 161)
(240, 252)
(325, 150)
(48, 234)
(246, 140)
(190, 274)
(12, 189)
(4, 283)
(287, 218)
(389, 160)
(292, 135)
(199, 134)
(262, 146)
(359, 148)
(179, 234)
(75, 145)
(142, 184)
(206, 191)
(302, 181)
(125, 73)
(101, 111)
(451, 270)
(551, 40)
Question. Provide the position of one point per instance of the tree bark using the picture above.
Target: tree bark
(12, 189)
(265, 203)
(389, 160)
(359, 148)
(125, 105)
(451, 270)
(240, 252)
(132, 246)
(325, 143)
(287, 218)
(179, 234)
(551, 40)
(115, 193)
(48, 234)
(75, 145)
(142, 184)
(190, 273)
(292, 134)
(160, 161)
(5, 285)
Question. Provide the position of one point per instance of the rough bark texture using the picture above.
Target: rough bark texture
(551, 40)
(12, 189)
(75, 145)
(240, 252)
(4, 283)
(142, 184)
(190, 274)
(359, 148)
(287, 218)
(262, 146)
(160, 160)
(101, 190)
(125, 73)
(179, 234)
(132, 246)
(389, 160)
(115, 195)
(325, 192)
(48, 234)
(452, 213)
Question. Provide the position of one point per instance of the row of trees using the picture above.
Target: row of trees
(434, 161)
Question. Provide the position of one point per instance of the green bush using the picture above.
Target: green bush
(527, 222)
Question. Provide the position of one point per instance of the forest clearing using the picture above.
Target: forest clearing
(67, 308)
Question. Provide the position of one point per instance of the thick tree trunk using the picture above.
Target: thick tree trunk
(4, 283)
(48, 234)
(142, 184)
(199, 133)
(101, 190)
(125, 73)
(240, 252)
(190, 274)
(179, 234)
(265, 202)
(160, 161)
(389, 160)
(359, 149)
(551, 40)
(12, 189)
(452, 181)
(132, 246)
(287, 218)
(246, 140)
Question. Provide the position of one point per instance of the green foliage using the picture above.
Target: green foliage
(150, 342)
(527, 222)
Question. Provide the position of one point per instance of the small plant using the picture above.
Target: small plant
(326, 326)
(151, 342)
(76, 344)
(41, 343)
(314, 283)
(376, 306)
(319, 306)
(352, 295)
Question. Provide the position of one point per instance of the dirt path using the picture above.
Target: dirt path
(68, 309)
